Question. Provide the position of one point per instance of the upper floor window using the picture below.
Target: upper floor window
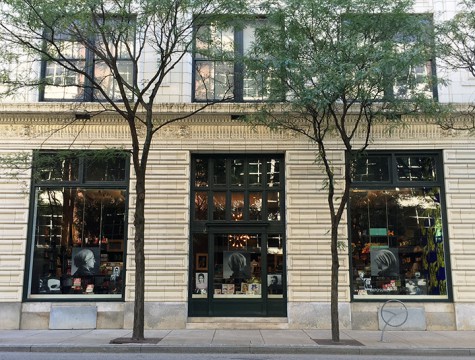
(219, 71)
(80, 62)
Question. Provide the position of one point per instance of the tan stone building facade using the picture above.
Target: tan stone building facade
(169, 212)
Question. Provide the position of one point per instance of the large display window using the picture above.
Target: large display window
(398, 241)
(79, 207)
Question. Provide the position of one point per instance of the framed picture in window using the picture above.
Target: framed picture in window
(201, 262)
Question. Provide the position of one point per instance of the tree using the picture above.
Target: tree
(332, 70)
(457, 36)
(456, 39)
(119, 36)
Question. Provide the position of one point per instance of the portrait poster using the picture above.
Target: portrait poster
(79, 255)
(236, 265)
(274, 279)
(201, 281)
(384, 261)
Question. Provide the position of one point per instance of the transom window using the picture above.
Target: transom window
(237, 189)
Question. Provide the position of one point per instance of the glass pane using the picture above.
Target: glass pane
(201, 172)
(78, 241)
(213, 42)
(370, 168)
(273, 206)
(256, 169)
(219, 171)
(105, 167)
(201, 205)
(237, 266)
(255, 206)
(213, 80)
(104, 75)
(63, 84)
(56, 167)
(204, 87)
(200, 259)
(416, 168)
(219, 206)
(223, 80)
(275, 261)
(237, 206)
(397, 241)
(237, 172)
(273, 173)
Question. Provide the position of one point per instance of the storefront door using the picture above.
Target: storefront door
(237, 267)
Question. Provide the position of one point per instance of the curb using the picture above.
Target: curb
(237, 349)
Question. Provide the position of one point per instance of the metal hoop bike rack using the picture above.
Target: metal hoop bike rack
(388, 321)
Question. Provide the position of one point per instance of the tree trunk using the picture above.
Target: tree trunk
(335, 322)
(139, 223)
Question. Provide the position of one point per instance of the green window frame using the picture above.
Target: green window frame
(397, 227)
(78, 225)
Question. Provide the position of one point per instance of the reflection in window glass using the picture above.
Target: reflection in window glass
(78, 234)
(255, 172)
(105, 167)
(273, 173)
(397, 241)
(237, 172)
(201, 205)
(201, 172)
(56, 167)
(219, 206)
(255, 206)
(273, 206)
(416, 168)
(371, 168)
(78, 241)
(237, 206)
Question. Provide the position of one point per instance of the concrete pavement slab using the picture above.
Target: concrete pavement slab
(289, 337)
(238, 337)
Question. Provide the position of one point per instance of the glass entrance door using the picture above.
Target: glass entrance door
(236, 279)
(237, 266)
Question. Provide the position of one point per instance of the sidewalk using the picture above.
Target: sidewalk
(355, 342)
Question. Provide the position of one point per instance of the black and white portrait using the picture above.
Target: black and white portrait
(201, 282)
(85, 262)
(236, 265)
(384, 262)
(274, 283)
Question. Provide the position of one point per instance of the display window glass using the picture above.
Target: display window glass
(78, 225)
(398, 241)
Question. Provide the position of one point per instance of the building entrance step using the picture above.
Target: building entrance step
(237, 323)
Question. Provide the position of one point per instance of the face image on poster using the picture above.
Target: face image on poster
(384, 262)
(85, 262)
(236, 265)
(201, 281)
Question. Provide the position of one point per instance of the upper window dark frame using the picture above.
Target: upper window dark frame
(90, 60)
(238, 27)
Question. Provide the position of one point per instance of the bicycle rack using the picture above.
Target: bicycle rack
(387, 321)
